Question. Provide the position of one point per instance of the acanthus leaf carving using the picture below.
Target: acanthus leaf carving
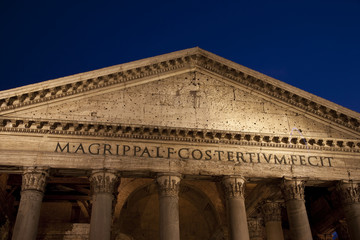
(234, 186)
(104, 181)
(169, 185)
(34, 179)
(349, 192)
(293, 189)
(271, 211)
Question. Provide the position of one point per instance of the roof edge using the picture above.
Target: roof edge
(97, 72)
(191, 56)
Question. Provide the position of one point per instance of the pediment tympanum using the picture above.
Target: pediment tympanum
(192, 100)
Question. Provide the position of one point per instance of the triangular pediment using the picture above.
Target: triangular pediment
(190, 89)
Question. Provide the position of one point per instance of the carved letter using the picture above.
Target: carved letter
(181, 156)
(170, 152)
(267, 159)
(97, 150)
(80, 147)
(219, 155)
(208, 155)
(194, 155)
(280, 161)
(146, 151)
(62, 149)
(238, 157)
(309, 160)
(107, 148)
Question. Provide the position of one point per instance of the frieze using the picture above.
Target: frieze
(189, 61)
(191, 153)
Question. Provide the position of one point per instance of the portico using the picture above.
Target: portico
(187, 145)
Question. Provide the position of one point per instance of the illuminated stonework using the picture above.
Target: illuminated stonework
(174, 137)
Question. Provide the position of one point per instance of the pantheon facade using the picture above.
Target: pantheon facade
(186, 145)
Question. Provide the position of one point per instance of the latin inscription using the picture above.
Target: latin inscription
(187, 153)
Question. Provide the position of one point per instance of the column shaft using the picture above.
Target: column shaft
(103, 186)
(169, 206)
(293, 191)
(274, 231)
(350, 196)
(272, 217)
(298, 220)
(27, 218)
(343, 230)
(234, 188)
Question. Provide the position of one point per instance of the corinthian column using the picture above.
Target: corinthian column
(32, 192)
(234, 189)
(350, 197)
(293, 191)
(169, 185)
(272, 216)
(256, 228)
(103, 186)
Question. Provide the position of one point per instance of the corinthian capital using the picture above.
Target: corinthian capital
(104, 181)
(271, 211)
(256, 228)
(234, 186)
(293, 189)
(349, 192)
(169, 185)
(34, 179)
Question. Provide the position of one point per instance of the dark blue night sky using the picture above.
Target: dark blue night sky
(313, 45)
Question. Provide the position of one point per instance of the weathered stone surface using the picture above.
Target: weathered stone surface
(191, 113)
(57, 231)
(191, 100)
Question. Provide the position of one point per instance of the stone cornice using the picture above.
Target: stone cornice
(97, 129)
(186, 59)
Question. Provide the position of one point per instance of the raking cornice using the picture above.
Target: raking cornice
(188, 60)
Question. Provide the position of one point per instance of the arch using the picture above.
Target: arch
(199, 217)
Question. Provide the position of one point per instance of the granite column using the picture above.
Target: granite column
(32, 192)
(103, 186)
(293, 191)
(350, 197)
(169, 185)
(234, 187)
(272, 217)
